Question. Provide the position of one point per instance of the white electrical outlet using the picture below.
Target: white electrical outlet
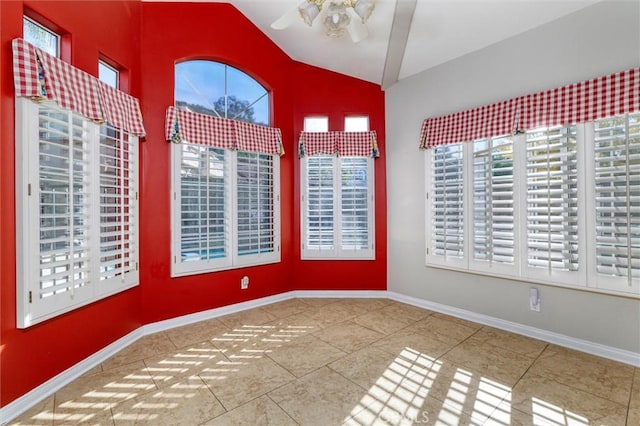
(244, 283)
(534, 299)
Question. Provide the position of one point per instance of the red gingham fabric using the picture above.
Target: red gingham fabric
(318, 143)
(25, 69)
(121, 109)
(200, 129)
(256, 138)
(70, 87)
(589, 100)
(357, 144)
(486, 121)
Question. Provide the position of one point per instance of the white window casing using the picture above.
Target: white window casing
(76, 205)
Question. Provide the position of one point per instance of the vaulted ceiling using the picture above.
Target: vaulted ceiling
(406, 36)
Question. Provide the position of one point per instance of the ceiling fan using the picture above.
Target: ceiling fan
(337, 16)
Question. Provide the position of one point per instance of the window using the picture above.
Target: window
(226, 204)
(77, 211)
(356, 124)
(558, 205)
(41, 37)
(316, 124)
(108, 74)
(337, 202)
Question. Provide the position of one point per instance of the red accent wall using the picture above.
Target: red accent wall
(148, 39)
(34, 355)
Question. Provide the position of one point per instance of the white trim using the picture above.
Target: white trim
(609, 352)
(33, 397)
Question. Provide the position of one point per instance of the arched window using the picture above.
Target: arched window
(225, 202)
(220, 90)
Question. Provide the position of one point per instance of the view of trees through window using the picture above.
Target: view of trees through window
(213, 88)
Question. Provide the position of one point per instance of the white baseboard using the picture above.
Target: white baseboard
(34, 396)
(621, 355)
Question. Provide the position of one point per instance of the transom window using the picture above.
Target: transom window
(108, 74)
(41, 36)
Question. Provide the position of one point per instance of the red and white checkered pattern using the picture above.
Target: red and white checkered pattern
(589, 100)
(201, 129)
(121, 109)
(486, 121)
(319, 143)
(357, 144)
(256, 138)
(25, 69)
(70, 87)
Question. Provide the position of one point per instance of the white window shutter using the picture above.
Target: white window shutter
(319, 206)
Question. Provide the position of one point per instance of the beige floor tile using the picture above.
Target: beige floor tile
(251, 341)
(318, 302)
(286, 308)
(145, 347)
(605, 378)
(305, 354)
(189, 402)
(91, 395)
(195, 333)
(457, 320)
(334, 313)
(550, 402)
(382, 322)
(514, 342)
(95, 370)
(260, 411)
(367, 304)
(183, 363)
(323, 397)
(296, 325)
(505, 415)
(633, 417)
(348, 336)
(634, 403)
(84, 417)
(407, 340)
(369, 367)
(237, 382)
(252, 317)
(39, 414)
(446, 331)
(495, 363)
(402, 310)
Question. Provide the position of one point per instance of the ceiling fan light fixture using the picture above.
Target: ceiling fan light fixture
(309, 10)
(364, 8)
(337, 20)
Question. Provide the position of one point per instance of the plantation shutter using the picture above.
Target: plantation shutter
(319, 204)
(493, 201)
(447, 202)
(355, 203)
(255, 209)
(118, 208)
(63, 211)
(617, 201)
(552, 201)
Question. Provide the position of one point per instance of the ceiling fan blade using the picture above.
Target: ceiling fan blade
(285, 20)
(357, 30)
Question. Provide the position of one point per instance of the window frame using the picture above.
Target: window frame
(115, 70)
(28, 219)
(48, 30)
(586, 277)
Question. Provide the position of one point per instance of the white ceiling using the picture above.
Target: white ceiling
(441, 30)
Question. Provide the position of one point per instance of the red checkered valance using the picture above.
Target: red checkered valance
(39, 76)
(589, 100)
(343, 144)
(201, 129)
(469, 125)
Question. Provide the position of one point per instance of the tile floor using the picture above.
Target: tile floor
(345, 361)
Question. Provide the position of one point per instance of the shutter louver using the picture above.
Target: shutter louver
(552, 200)
(203, 219)
(355, 203)
(617, 199)
(320, 203)
(117, 205)
(447, 191)
(64, 207)
(256, 215)
(493, 201)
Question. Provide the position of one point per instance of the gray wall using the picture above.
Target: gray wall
(598, 40)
